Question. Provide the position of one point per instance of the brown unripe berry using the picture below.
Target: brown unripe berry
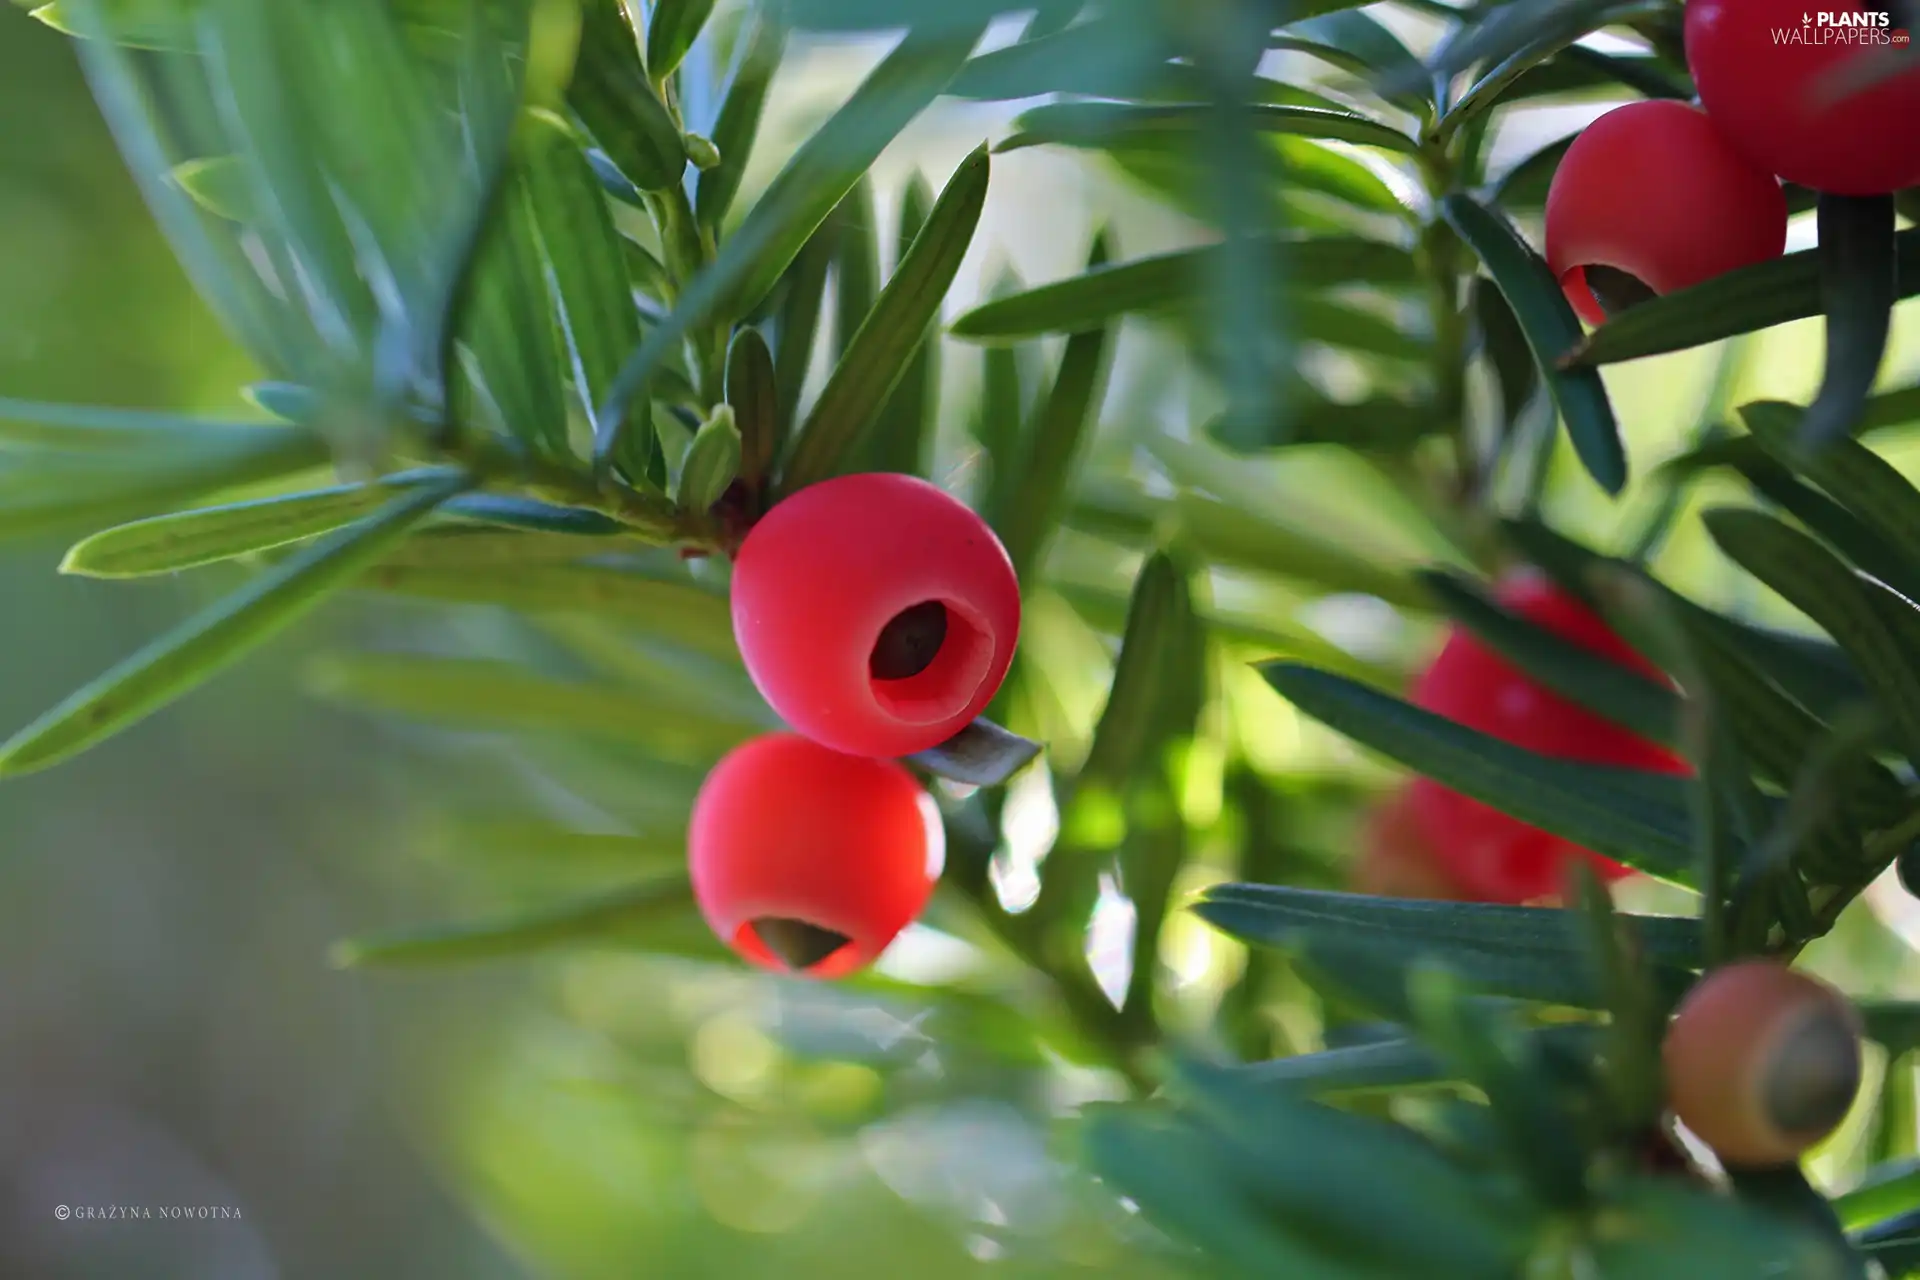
(1762, 1062)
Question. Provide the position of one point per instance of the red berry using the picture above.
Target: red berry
(1765, 76)
(1396, 861)
(1652, 190)
(1762, 1062)
(876, 613)
(1495, 856)
(807, 860)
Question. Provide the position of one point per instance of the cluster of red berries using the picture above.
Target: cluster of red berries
(878, 616)
(1660, 195)
(1761, 1062)
(1431, 842)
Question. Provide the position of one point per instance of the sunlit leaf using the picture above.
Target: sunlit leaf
(793, 207)
(877, 356)
(215, 638)
(183, 540)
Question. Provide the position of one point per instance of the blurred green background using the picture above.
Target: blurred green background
(170, 1033)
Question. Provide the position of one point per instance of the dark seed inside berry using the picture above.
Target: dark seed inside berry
(1815, 1073)
(908, 644)
(1616, 290)
(799, 945)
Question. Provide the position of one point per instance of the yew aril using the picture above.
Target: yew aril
(1494, 856)
(1396, 860)
(1771, 77)
(808, 860)
(1650, 199)
(876, 613)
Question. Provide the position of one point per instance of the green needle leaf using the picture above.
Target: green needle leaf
(1363, 46)
(1625, 697)
(799, 312)
(856, 263)
(1859, 283)
(794, 205)
(877, 356)
(509, 349)
(1873, 626)
(1505, 346)
(606, 919)
(1743, 301)
(675, 611)
(1171, 280)
(44, 490)
(1149, 705)
(620, 107)
(1860, 480)
(216, 637)
(1550, 327)
(587, 261)
(80, 428)
(908, 421)
(1384, 1066)
(1372, 967)
(1669, 941)
(1095, 124)
(738, 124)
(218, 184)
(1312, 1163)
(1175, 1172)
(186, 539)
(754, 395)
(1638, 818)
(1108, 57)
(1037, 487)
(712, 462)
(484, 694)
(1885, 1193)
(674, 27)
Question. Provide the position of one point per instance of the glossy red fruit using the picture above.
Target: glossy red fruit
(1762, 1062)
(1764, 70)
(876, 613)
(1652, 190)
(1395, 859)
(1498, 858)
(806, 860)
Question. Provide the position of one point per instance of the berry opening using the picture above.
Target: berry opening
(799, 945)
(909, 644)
(1599, 292)
(1810, 1083)
(929, 661)
(1613, 289)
